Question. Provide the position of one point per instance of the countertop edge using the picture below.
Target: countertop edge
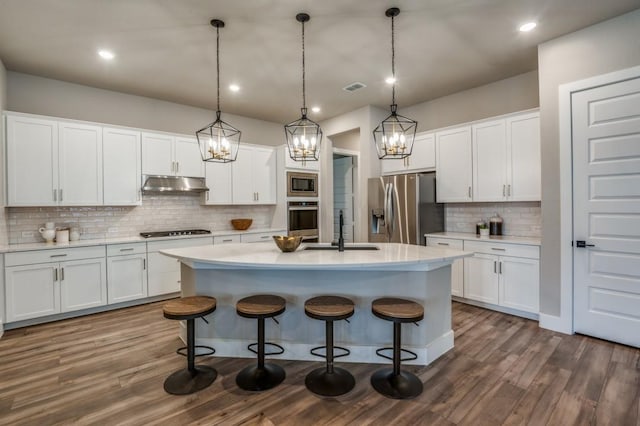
(507, 239)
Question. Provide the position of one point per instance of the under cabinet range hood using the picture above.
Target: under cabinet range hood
(172, 184)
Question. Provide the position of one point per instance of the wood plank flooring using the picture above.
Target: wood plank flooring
(108, 369)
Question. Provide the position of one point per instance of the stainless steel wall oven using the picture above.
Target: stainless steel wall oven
(302, 219)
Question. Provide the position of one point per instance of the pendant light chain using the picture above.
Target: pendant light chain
(393, 62)
(304, 94)
(218, 65)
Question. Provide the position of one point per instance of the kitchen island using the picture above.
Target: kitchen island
(233, 271)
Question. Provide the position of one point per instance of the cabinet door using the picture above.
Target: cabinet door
(290, 163)
(83, 284)
(218, 179)
(489, 161)
(32, 161)
(457, 268)
(481, 278)
(164, 274)
(80, 164)
(423, 157)
(127, 278)
(519, 283)
(453, 165)
(157, 154)
(242, 177)
(264, 175)
(31, 291)
(121, 167)
(188, 158)
(523, 137)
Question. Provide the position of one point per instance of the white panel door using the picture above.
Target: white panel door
(343, 197)
(218, 180)
(489, 161)
(164, 274)
(519, 283)
(121, 166)
(127, 278)
(523, 152)
(453, 165)
(188, 157)
(32, 161)
(264, 175)
(83, 284)
(32, 291)
(157, 154)
(481, 278)
(79, 164)
(606, 200)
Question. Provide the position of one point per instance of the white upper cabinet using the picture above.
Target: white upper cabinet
(254, 175)
(290, 163)
(32, 161)
(167, 155)
(121, 167)
(489, 161)
(422, 158)
(523, 154)
(218, 180)
(53, 163)
(453, 165)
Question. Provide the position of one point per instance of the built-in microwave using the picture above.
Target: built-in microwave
(302, 184)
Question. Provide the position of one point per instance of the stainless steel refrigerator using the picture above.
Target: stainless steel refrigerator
(402, 208)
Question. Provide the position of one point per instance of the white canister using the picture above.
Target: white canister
(62, 236)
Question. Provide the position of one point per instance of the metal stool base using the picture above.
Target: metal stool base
(185, 382)
(321, 382)
(255, 379)
(402, 386)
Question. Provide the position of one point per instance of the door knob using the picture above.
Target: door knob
(582, 244)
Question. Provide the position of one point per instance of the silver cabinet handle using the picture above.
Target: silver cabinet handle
(55, 274)
(139, 195)
(495, 267)
(227, 241)
(127, 249)
(443, 244)
(265, 236)
(498, 249)
(177, 166)
(60, 195)
(500, 267)
(144, 264)
(509, 190)
(504, 190)
(469, 192)
(173, 166)
(61, 274)
(207, 195)
(257, 196)
(58, 255)
(55, 195)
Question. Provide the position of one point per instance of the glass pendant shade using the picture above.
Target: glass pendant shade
(219, 141)
(394, 136)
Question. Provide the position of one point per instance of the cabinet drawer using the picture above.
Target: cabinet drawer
(226, 239)
(502, 249)
(153, 246)
(256, 238)
(53, 255)
(444, 242)
(125, 249)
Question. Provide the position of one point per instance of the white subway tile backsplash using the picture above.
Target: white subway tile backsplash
(520, 219)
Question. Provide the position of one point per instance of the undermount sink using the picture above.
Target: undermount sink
(346, 248)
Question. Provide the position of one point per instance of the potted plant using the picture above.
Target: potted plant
(484, 230)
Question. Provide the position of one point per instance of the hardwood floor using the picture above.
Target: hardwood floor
(109, 368)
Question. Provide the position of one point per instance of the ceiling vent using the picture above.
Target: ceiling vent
(354, 86)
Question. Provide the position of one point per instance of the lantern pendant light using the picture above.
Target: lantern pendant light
(219, 141)
(303, 135)
(394, 136)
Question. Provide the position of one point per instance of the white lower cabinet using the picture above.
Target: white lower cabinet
(519, 283)
(457, 268)
(126, 272)
(35, 289)
(482, 279)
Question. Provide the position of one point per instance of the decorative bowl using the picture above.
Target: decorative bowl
(241, 224)
(287, 244)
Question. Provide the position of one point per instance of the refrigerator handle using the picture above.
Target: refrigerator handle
(390, 218)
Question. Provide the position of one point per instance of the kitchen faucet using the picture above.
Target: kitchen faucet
(341, 238)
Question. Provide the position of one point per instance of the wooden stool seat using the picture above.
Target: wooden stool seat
(189, 307)
(261, 305)
(400, 310)
(329, 307)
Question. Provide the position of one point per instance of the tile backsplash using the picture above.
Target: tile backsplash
(157, 213)
(521, 219)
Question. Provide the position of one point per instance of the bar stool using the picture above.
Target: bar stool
(329, 381)
(193, 378)
(392, 382)
(261, 376)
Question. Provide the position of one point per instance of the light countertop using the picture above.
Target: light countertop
(267, 255)
(495, 238)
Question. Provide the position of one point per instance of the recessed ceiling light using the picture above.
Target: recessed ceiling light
(106, 54)
(390, 80)
(527, 27)
(234, 87)
(315, 109)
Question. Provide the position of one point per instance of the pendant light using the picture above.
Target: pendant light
(395, 134)
(218, 141)
(303, 135)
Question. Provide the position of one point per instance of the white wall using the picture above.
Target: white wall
(609, 46)
(39, 95)
(3, 103)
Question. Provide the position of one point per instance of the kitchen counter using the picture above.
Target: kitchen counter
(10, 248)
(500, 238)
(234, 271)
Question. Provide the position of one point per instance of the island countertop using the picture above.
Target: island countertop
(388, 256)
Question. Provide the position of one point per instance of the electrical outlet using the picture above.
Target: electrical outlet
(26, 234)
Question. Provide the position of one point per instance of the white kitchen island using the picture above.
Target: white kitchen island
(234, 271)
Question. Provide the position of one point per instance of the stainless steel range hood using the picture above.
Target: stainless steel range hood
(172, 184)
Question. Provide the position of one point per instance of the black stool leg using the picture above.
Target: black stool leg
(329, 381)
(392, 382)
(264, 375)
(193, 378)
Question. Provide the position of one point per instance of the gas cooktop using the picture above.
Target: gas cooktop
(174, 233)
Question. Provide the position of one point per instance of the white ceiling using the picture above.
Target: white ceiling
(166, 48)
